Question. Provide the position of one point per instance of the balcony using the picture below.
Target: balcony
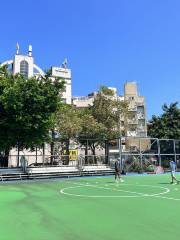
(139, 104)
(132, 121)
(132, 108)
(131, 133)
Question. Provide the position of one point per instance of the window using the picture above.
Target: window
(122, 123)
(140, 109)
(141, 122)
(131, 98)
(24, 68)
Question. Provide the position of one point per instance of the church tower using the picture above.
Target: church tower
(23, 63)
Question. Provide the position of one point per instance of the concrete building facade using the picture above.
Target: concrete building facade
(137, 123)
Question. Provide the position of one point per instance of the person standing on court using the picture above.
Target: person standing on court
(173, 168)
(117, 171)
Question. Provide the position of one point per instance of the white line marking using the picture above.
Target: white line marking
(170, 198)
(146, 195)
(150, 195)
(117, 190)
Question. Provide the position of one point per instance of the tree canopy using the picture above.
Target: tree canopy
(94, 123)
(26, 109)
(109, 110)
(68, 122)
(167, 125)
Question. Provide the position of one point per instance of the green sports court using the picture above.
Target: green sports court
(143, 207)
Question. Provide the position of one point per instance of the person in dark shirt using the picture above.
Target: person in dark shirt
(117, 171)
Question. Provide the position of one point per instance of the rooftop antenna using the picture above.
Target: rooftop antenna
(30, 51)
(64, 64)
(17, 48)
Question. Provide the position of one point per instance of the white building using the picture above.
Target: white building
(24, 64)
(64, 73)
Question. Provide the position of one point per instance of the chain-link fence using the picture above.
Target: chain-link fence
(144, 154)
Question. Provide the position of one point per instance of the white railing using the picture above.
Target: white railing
(55, 160)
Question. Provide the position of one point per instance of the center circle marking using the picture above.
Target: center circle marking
(63, 191)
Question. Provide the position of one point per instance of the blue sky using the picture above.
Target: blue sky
(106, 42)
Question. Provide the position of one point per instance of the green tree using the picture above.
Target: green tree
(108, 110)
(167, 125)
(68, 122)
(92, 125)
(68, 126)
(92, 133)
(102, 121)
(26, 109)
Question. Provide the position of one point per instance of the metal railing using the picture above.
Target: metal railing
(18, 161)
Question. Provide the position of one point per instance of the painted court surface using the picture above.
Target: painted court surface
(142, 207)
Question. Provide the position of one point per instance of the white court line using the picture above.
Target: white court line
(95, 186)
(93, 196)
(150, 195)
(170, 198)
(118, 190)
(146, 195)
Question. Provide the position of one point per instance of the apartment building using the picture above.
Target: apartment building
(135, 125)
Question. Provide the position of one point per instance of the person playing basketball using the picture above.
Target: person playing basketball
(173, 168)
(117, 171)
